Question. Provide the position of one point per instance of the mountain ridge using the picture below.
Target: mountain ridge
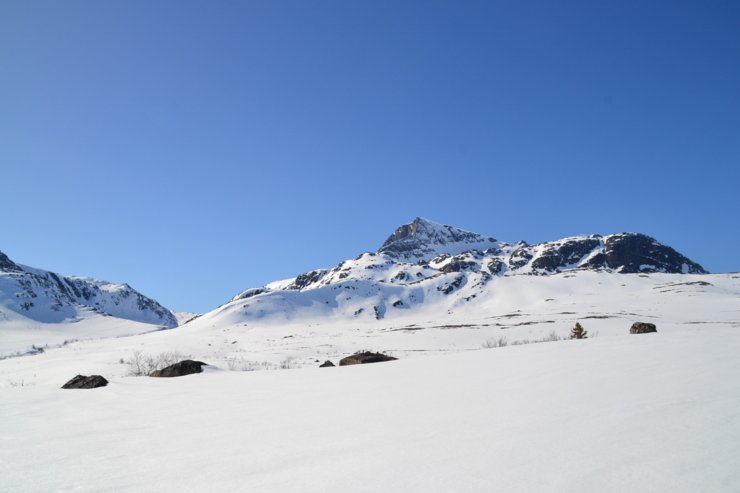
(424, 263)
(48, 297)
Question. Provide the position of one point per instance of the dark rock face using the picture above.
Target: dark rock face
(458, 265)
(8, 265)
(422, 237)
(642, 328)
(326, 364)
(366, 357)
(185, 367)
(308, 278)
(451, 286)
(84, 382)
(520, 257)
(566, 254)
(598, 261)
(631, 253)
(495, 266)
(250, 293)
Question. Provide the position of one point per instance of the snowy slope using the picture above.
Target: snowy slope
(517, 308)
(42, 307)
(647, 413)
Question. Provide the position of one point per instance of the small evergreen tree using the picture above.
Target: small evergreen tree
(578, 332)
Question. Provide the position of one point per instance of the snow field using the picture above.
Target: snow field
(654, 412)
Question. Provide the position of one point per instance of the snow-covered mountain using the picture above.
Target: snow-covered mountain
(46, 296)
(425, 263)
(440, 293)
(35, 301)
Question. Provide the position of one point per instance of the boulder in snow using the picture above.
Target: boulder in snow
(642, 328)
(85, 382)
(182, 368)
(326, 364)
(365, 357)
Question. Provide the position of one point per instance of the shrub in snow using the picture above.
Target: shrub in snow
(578, 332)
(141, 364)
(287, 364)
(240, 364)
(495, 342)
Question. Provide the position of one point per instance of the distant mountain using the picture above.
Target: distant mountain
(426, 263)
(47, 297)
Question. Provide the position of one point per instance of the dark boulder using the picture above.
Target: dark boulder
(365, 357)
(84, 382)
(642, 328)
(185, 367)
(326, 364)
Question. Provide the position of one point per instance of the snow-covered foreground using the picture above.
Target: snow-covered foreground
(654, 412)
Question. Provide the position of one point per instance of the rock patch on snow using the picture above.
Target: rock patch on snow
(180, 369)
(365, 357)
(642, 328)
(86, 382)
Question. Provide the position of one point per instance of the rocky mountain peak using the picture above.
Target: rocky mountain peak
(425, 239)
(636, 252)
(7, 265)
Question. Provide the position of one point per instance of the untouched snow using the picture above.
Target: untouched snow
(22, 336)
(643, 413)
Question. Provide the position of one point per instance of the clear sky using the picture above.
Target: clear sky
(197, 148)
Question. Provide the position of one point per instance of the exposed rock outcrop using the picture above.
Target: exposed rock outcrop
(86, 382)
(365, 357)
(642, 328)
(182, 368)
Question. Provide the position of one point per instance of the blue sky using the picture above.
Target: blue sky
(194, 149)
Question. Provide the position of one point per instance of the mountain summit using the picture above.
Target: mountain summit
(424, 239)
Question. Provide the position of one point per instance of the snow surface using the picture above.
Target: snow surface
(642, 413)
